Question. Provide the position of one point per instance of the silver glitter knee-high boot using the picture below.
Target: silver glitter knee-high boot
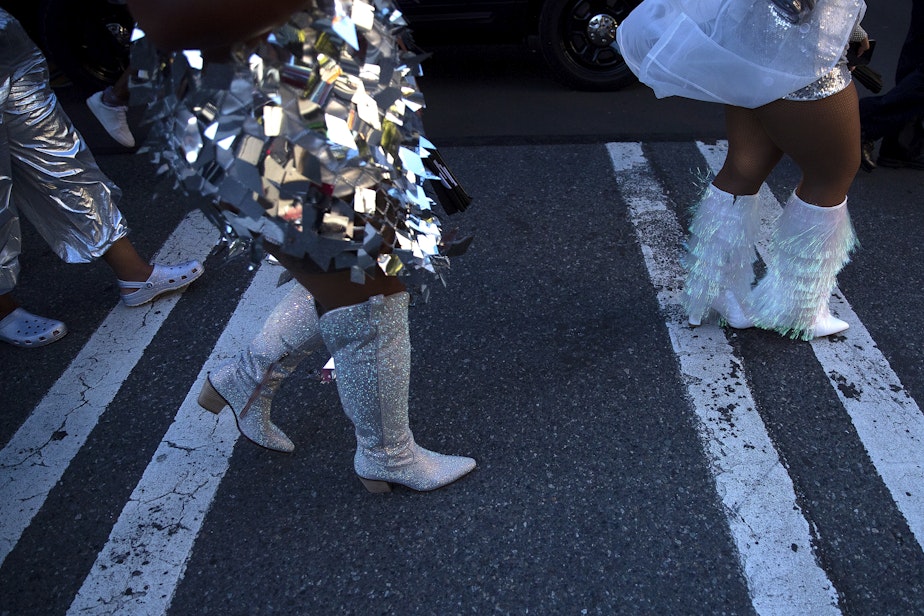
(809, 247)
(720, 257)
(371, 348)
(248, 382)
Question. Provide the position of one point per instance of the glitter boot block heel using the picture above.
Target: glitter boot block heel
(371, 347)
(210, 399)
(376, 487)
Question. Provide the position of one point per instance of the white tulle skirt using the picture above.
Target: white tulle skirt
(738, 52)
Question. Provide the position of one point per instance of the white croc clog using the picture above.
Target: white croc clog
(23, 329)
(163, 279)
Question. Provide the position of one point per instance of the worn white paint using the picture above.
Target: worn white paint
(138, 569)
(773, 538)
(152, 541)
(38, 454)
(888, 421)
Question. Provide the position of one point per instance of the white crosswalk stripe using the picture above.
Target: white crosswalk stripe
(40, 451)
(138, 569)
(889, 422)
(756, 490)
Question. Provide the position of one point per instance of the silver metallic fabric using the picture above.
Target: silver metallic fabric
(47, 174)
(313, 139)
(371, 347)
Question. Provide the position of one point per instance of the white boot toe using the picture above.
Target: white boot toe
(827, 324)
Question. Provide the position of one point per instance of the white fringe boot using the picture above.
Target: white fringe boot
(809, 247)
(720, 257)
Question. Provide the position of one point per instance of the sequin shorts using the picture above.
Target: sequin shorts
(827, 85)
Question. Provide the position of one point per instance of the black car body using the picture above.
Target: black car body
(576, 37)
(88, 40)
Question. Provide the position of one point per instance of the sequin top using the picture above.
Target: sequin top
(832, 82)
(312, 140)
(827, 85)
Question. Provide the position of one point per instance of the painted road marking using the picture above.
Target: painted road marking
(888, 421)
(38, 454)
(772, 536)
(139, 568)
(152, 541)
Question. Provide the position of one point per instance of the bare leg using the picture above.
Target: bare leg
(117, 94)
(334, 289)
(139, 281)
(127, 263)
(7, 304)
(752, 154)
(823, 138)
(813, 236)
(722, 235)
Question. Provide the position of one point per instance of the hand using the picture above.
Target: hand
(859, 52)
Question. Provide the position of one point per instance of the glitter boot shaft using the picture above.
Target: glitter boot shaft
(809, 247)
(248, 382)
(371, 347)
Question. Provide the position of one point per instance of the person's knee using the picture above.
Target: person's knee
(827, 190)
(738, 180)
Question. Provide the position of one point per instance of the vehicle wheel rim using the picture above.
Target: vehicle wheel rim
(103, 46)
(601, 30)
(590, 32)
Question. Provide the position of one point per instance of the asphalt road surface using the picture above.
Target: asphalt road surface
(627, 463)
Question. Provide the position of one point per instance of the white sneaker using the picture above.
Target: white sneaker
(113, 118)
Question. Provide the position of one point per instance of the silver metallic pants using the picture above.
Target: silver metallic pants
(47, 174)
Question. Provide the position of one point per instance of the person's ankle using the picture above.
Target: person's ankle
(138, 275)
(110, 99)
(7, 305)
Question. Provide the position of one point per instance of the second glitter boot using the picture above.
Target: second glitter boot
(371, 348)
(248, 382)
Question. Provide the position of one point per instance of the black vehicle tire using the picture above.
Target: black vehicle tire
(88, 41)
(576, 41)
